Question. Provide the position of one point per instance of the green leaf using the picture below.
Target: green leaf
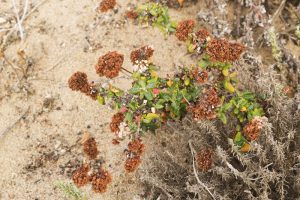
(159, 106)
(223, 118)
(129, 116)
(100, 100)
(239, 139)
(149, 95)
(135, 89)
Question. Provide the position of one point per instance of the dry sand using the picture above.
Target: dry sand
(54, 117)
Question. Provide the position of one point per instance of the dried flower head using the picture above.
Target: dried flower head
(184, 28)
(132, 163)
(100, 180)
(205, 108)
(131, 14)
(143, 53)
(90, 148)
(253, 128)
(116, 121)
(202, 35)
(199, 76)
(78, 81)
(106, 5)
(110, 64)
(204, 159)
(80, 176)
(223, 51)
(136, 146)
(235, 51)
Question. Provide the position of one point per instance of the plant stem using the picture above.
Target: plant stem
(126, 70)
(195, 172)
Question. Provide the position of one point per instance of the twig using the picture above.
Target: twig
(9, 128)
(18, 19)
(278, 11)
(23, 19)
(126, 70)
(275, 15)
(56, 64)
(195, 172)
(238, 20)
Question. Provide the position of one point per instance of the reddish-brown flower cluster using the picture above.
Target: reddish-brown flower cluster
(90, 148)
(131, 14)
(80, 176)
(252, 129)
(79, 82)
(143, 53)
(136, 146)
(202, 35)
(205, 108)
(117, 119)
(110, 64)
(184, 28)
(204, 159)
(199, 76)
(100, 180)
(223, 51)
(135, 150)
(132, 163)
(106, 5)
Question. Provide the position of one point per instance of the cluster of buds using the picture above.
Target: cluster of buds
(110, 64)
(201, 76)
(253, 128)
(206, 107)
(133, 153)
(107, 5)
(140, 58)
(184, 28)
(100, 180)
(204, 159)
(84, 174)
(221, 50)
(79, 82)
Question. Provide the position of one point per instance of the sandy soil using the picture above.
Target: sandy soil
(41, 119)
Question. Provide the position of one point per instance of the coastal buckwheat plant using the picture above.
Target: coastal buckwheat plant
(205, 92)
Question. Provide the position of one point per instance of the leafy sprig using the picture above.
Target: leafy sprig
(156, 15)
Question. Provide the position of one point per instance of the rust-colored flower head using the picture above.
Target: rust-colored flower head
(117, 119)
(253, 128)
(132, 163)
(131, 14)
(184, 28)
(80, 176)
(223, 51)
(202, 35)
(205, 108)
(218, 50)
(199, 76)
(78, 81)
(106, 5)
(211, 96)
(101, 180)
(235, 51)
(110, 64)
(204, 159)
(143, 53)
(90, 148)
(136, 146)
